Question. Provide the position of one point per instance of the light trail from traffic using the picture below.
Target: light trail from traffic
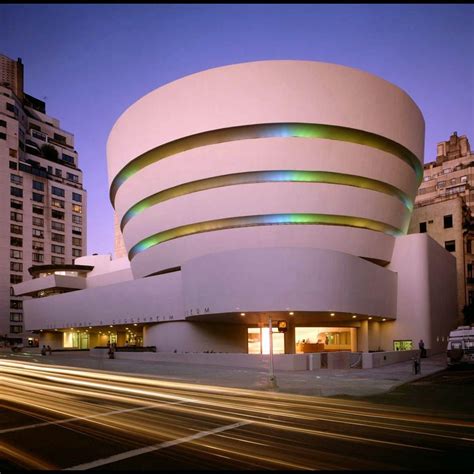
(139, 417)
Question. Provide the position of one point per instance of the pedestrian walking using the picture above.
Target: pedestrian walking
(421, 346)
(43, 350)
(50, 351)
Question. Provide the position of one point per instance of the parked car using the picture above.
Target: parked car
(461, 346)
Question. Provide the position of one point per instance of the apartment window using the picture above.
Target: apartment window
(68, 159)
(12, 292)
(422, 227)
(57, 191)
(18, 254)
(38, 210)
(455, 190)
(16, 318)
(57, 249)
(76, 219)
(16, 179)
(39, 135)
(76, 252)
(16, 216)
(37, 245)
(77, 241)
(16, 329)
(57, 238)
(3, 123)
(16, 241)
(60, 138)
(13, 153)
(38, 233)
(16, 229)
(57, 214)
(77, 197)
(76, 230)
(14, 279)
(57, 260)
(10, 107)
(469, 270)
(57, 203)
(18, 192)
(37, 257)
(463, 179)
(447, 170)
(441, 184)
(39, 221)
(448, 221)
(16, 304)
(450, 245)
(13, 165)
(16, 266)
(38, 185)
(3, 136)
(77, 208)
(38, 197)
(72, 177)
(58, 173)
(57, 226)
(50, 169)
(16, 204)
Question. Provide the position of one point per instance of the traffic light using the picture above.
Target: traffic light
(282, 326)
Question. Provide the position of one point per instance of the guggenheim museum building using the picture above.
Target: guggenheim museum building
(265, 191)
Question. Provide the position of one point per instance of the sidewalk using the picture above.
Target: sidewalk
(323, 382)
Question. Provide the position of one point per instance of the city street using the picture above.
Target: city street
(54, 417)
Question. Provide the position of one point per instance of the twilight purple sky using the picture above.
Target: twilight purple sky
(90, 62)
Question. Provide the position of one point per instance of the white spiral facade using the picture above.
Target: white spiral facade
(227, 158)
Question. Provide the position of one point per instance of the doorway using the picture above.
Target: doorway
(259, 341)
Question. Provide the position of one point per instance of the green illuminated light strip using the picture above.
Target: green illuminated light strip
(265, 177)
(270, 219)
(271, 130)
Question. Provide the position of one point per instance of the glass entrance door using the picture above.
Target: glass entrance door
(259, 341)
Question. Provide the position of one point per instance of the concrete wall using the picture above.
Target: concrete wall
(152, 299)
(427, 295)
(196, 337)
(320, 93)
(50, 281)
(277, 279)
(433, 216)
(107, 271)
(53, 339)
(261, 362)
(374, 336)
(335, 360)
(379, 359)
(305, 91)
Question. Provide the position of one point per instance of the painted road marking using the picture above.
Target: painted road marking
(156, 447)
(80, 418)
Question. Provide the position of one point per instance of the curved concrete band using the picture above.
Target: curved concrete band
(264, 144)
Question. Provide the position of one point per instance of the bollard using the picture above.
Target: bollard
(416, 365)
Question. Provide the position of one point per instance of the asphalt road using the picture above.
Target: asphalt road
(56, 418)
(448, 393)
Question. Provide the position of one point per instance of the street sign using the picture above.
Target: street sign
(282, 326)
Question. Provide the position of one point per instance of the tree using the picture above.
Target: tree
(49, 152)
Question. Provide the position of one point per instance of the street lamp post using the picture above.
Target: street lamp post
(272, 379)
